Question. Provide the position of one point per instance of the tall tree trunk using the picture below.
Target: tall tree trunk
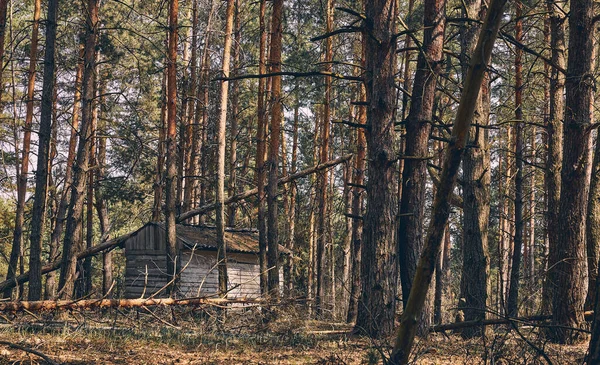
(323, 183)
(235, 110)
(89, 237)
(570, 271)
(261, 140)
(73, 228)
(358, 179)
(555, 146)
(476, 192)
(41, 173)
(418, 127)
(50, 290)
(191, 160)
(22, 175)
(160, 157)
(276, 121)
(101, 204)
(379, 276)
(221, 141)
(199, 138)
(171, 139)
(441, 206)
(513, 291)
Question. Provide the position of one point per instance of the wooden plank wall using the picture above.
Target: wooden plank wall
(200, 277)
(146, 262)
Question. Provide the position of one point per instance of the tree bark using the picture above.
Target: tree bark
(273, 158)
(235, 110)
(418, 128)
(358, 192)
(73, 227)
(101, 204)
(570, 270)
(171, 139)
(513, 291)
(323, 181)
(379, 274)
(221, 142)
(23, 174)
(41, 173)
(555, 146)
(441, 207)
(476, 192)
(50, 290)
(261, 141)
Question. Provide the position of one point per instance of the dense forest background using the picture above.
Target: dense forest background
(119, 112)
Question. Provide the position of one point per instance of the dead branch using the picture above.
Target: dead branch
(106, 246)
(293, 74)
(248, 193)
(29, 350)
(496, 321)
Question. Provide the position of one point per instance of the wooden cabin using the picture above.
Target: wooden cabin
(146, 262)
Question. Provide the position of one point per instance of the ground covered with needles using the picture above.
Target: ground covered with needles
(207, 336)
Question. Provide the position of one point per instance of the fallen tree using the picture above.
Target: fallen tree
(46, 305)
(106, 246)
(248, 193)
(497, 321)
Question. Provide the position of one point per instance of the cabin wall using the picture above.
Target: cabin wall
(200, 275)
(146, 262)
(146, 269)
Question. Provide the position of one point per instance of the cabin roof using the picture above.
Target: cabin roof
(205, 238)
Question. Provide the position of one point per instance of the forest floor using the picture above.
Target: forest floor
(160, 337)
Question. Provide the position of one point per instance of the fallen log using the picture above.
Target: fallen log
(248, 193)
(108, 245)
(496, 321)
(46, 305)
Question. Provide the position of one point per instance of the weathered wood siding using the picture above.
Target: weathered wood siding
(200, 277)
(146, 262)
(146, 269)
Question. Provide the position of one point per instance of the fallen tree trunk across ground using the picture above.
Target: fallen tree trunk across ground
(46, 305)
(248, 193)
(108, 245)
(496, 321)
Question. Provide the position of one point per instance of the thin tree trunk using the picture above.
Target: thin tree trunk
(441, 207)
(515, 274)
(101, 204)
(221, 141)
(3, 11)
(89, 238)
(41, 173)
(235, 110)
(23, 174)
(191, 158)
(323, 183)
(171, 139)
(50, 290)
(261, 140)
(160, 158)
(273, 159)
(418, 127)
(377, 306)
(357, 199)
(73, 228)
